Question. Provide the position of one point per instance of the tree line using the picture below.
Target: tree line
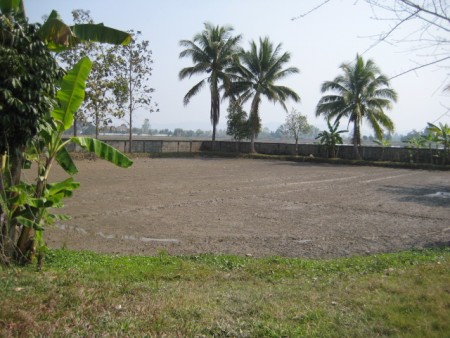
(118, 84)
(360, 93)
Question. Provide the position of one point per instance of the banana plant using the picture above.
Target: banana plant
(59, 36)
(19, 208)
(32, 202)
(331, 138)
(383, 143)
(442, 136)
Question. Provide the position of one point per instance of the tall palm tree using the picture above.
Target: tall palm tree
(211, 52)
(361, 92)
(255, 73)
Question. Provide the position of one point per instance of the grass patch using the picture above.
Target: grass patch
(89, 294)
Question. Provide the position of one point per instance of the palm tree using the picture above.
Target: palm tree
(211, 52)
(256, 72)
(361, 92)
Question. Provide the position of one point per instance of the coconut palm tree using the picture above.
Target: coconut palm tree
(361, 92)
(256, 72)
(211, 52)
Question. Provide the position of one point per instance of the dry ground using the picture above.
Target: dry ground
(255, 207)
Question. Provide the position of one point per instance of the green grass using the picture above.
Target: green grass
(86, 294)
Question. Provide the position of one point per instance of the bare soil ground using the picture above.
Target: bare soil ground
(253, 207)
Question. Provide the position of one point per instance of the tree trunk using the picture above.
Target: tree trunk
(130, 137)
(8, 231)
(332, 152)
(96, 125)
(75, 127)
(356, 140)
(213, 147)
(252, 143)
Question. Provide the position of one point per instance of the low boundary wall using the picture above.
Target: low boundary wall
(369, 153)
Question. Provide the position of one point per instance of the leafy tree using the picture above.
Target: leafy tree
(361, 92)
(331, 137)
(104, 97)
(211, 52)
(31, 202)
(28, 100)
(255, 73)
(237, 124)
(146, 126)
(134, 68)
(296, 124)
(26, 92)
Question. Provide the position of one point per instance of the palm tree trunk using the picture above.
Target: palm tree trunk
(252, 143)
(356, 140)
(215, 108)
(254, 121)
(213, 147)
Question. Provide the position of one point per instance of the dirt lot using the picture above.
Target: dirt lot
(254, 207)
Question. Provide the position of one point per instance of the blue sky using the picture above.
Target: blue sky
(319, 43)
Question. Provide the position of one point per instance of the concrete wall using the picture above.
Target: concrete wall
(370, 153)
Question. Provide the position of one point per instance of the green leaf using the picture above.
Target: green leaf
(56, 34)
(101, 33)
(65, 161)
(65, 187)
(10, 6)
(103, 150)
(71, 94)
(26, 222)
(59, 217)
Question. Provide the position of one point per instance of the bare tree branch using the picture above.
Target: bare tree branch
(311, 10)
(421, 66)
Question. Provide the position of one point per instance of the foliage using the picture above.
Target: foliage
(255, 73)
(133, 66)
(101, 103)
(146, 127)
(441, 134)
(399, 294)
(24, 207)
(211, 52)
(295, 125)
(26, 92)
(30, 203)
(383, 143)
(237, 124)
(331, 138)
(361, 92)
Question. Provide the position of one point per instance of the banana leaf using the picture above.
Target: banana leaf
(65, 161)
(101, 33)
(12, 6)
(59, 36)
(71, 94)
(56, 34)
(103, 150)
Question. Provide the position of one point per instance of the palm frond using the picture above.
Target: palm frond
(193, 91)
